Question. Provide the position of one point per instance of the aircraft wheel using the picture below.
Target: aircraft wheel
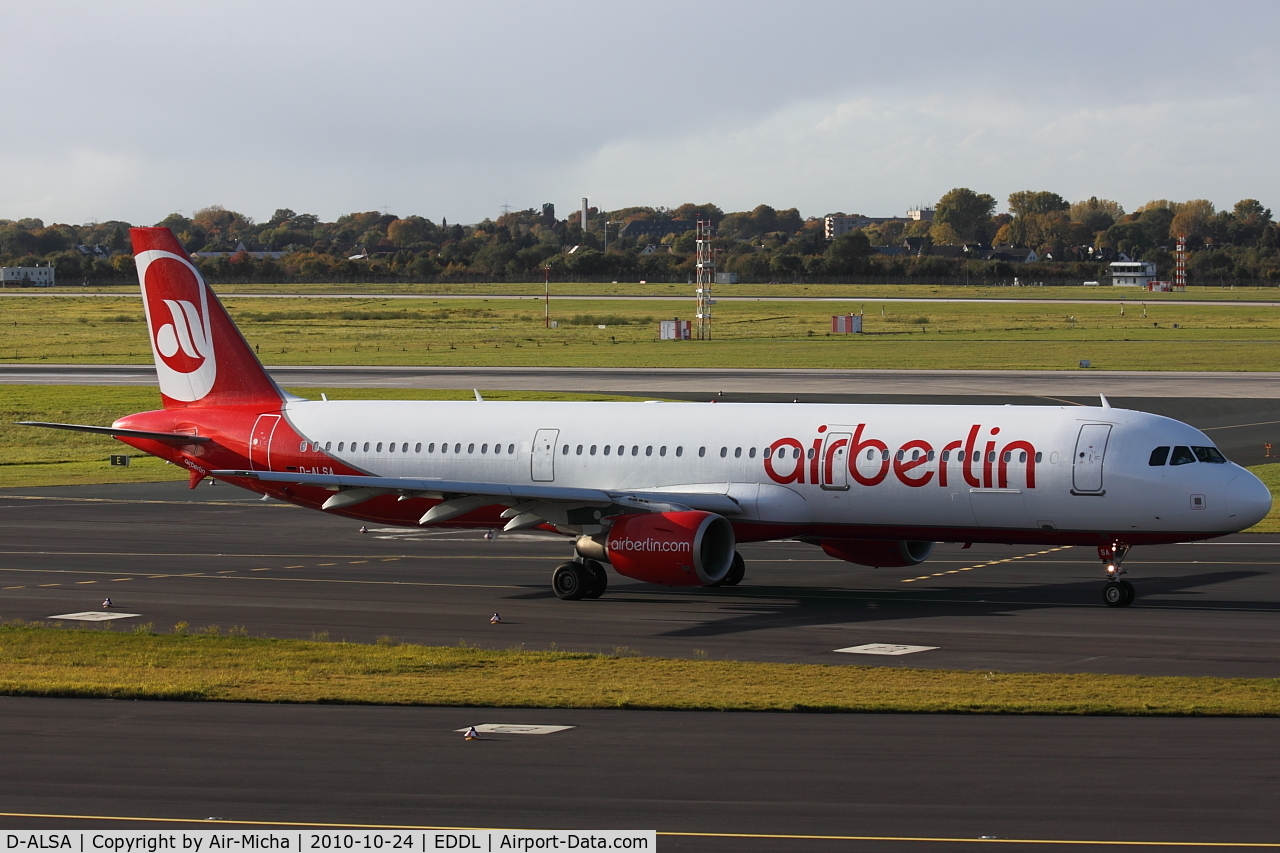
(570, 581)
(1129, 591)
(599, 579)
(1115, 595)
(737, 570)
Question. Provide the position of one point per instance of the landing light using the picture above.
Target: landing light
(1111, 568)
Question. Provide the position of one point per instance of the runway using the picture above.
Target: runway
(1046, 385)
(696, 778)
(217, 556)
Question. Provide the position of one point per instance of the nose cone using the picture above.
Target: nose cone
(1248, 501)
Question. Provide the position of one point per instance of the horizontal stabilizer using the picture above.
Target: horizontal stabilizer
(166, 437)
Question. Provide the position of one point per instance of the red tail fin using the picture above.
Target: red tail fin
(201, 357)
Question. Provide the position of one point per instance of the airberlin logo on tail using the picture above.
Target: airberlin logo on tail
(182, 341)
(177, 305)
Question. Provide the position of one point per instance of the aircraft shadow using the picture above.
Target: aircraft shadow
(763, 607)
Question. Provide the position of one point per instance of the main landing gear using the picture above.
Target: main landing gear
(737, 570)
(574, 580)
(1116, 593)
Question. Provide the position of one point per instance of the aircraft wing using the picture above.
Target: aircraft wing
(530, 504)
(166, 437)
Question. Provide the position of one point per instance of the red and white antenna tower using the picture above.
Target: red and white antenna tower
(706, 277)
(1180, 265)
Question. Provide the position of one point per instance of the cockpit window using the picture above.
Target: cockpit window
(1182, 456)
(1158, 456)
(1209, 454)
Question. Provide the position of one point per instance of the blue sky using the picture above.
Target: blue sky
(453, 109)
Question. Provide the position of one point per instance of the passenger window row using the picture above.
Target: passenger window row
(1205, 454)
(393, 447)
(946, 456)
(622, 450)
(1185, 455)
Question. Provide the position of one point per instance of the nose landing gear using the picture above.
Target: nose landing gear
(1117, 593)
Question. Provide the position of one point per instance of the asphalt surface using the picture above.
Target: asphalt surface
(807, 385)
(219, 556)
(899, 778)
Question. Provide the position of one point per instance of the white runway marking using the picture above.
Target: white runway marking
(96, 616)
(885, 649)
(513, 729)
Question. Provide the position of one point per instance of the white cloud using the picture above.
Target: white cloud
(878, 156)
(452, 109)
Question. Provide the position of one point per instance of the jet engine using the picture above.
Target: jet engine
(880, 553)
(672, 548)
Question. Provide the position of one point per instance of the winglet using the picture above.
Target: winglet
(479, 399)
(1106, 404)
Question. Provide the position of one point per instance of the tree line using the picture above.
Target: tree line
(1074, 241)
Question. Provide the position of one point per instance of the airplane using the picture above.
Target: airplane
(664, 492)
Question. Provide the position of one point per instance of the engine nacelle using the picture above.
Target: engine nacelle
(672, 548)
(880, 553)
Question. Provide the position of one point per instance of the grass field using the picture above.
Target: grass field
(137, 664)
(1157, 336)
(683, 291)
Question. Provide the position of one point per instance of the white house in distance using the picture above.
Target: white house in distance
(26, 276)
(1129, 273)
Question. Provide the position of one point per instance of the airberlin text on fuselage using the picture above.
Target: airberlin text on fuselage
(649, 545)
(980, 460)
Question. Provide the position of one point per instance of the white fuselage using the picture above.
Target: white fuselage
(928, 468)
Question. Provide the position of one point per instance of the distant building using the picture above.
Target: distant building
(256, 255)
(1011, 254)
(837, 225)
(1129, 273)
(26, 276)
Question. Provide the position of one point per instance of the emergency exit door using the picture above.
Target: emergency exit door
(1086, 470)
(544, 455)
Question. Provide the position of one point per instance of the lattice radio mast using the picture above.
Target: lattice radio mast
(1180, 264)
(706, 277)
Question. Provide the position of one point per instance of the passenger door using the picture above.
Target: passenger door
(1091, 447)
(544, 455)
(835, 461)
(260, 442)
